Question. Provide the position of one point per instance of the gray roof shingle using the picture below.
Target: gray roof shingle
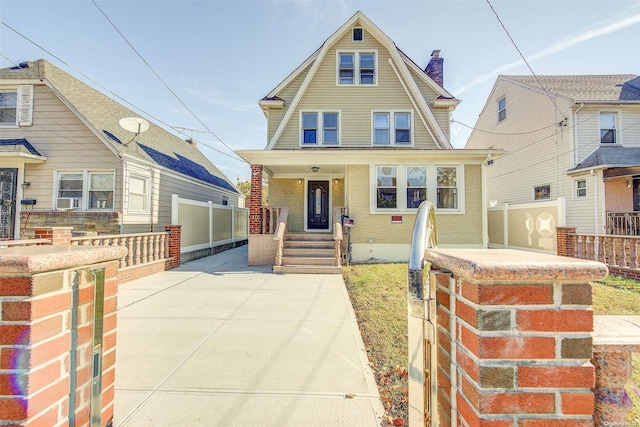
(614, 156)
(584, 88)
(156, 145)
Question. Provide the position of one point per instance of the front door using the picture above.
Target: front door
(318, 205)
(8, 184)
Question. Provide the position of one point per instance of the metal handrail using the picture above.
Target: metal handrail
(425, 236)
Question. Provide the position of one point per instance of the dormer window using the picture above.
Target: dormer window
(357, 68)
(358, 34)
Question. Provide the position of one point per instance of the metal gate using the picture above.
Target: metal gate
(8, 177)
(422, 323)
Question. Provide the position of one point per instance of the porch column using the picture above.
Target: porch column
(255, 200)
(565, 241)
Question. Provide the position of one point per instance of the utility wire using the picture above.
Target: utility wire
(524, 59)
(502, 133)
(104, 88)
(161, 80)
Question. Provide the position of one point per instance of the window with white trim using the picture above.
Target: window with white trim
(85, 190)
(138, 193)
(607, 128)
(8, 108)
(416, 186)
(581, 188)
(320, 128)
(385, 134)
(358, 34)
(502, 109)
(542, 192)
(357, 68)
(447, 187)
(387, 187)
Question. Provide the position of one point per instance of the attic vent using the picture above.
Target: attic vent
(112, 136)
(358, 34)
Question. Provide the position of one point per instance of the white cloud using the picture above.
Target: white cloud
(558, 47)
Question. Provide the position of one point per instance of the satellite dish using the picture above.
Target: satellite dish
(135, 125)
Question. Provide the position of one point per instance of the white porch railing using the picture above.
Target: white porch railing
(142, 248)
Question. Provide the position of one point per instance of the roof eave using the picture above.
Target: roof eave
(24, 157)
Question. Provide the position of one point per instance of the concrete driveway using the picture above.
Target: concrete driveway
(217, 343)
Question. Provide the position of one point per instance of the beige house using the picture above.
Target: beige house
(359, 129)
(69, 156)
(575, 141)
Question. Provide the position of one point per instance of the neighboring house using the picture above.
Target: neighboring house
(359, 125)
(575, 139)
(65, 160)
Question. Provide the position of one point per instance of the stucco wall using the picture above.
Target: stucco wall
(618, 198)
(287, 192)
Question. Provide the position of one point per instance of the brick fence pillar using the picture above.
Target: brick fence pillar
(255, 200)
(565, 239)
(48, 324)
(175, 234)
(60, 236)
(514, 338)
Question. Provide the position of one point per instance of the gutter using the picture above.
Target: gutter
(485, 227)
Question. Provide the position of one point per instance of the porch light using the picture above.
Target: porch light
(25, 185)
(299, 181)
(314, 169)
(335, 181)
(629, 182)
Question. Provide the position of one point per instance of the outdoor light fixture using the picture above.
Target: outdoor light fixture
(629, 182)
(25, 184)
(314, 169)
(299, 181)
(335, 181)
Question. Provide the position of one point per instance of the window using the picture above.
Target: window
(447, 187)
(357, 68)
(581, 188)
(416, 186)
(225, 201)
(386, 184)
(607, 128)
(326, 121)
(138, 193)
(358, 34)
(85, 190)
(502, 109)
(8, 108)
(542, 192)
(400, 134)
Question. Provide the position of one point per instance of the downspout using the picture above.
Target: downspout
(595, 202)
(485, 227)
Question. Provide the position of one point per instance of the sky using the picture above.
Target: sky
(203, 65)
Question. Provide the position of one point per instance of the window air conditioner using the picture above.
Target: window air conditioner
(64, 203)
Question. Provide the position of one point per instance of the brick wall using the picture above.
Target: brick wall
(520, 345)
(565, 241)
(100, 222)
(37, 331)
(174, 245)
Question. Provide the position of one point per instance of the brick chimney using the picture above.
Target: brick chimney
(434, 67)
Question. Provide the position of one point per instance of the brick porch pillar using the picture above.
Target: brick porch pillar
(60, 236)
(565, 239)
(175, 234)
(255, 200)
(514, 338)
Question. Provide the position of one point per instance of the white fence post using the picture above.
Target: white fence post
(210, 224)
(233, 224)
(174, 209)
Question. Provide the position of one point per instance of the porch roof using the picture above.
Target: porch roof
(20, 149)
(333, 161)
(609, 157)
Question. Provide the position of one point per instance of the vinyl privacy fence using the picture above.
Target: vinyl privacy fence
(207, 225)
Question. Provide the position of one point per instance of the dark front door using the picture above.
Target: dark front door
(7, 202)
(318, 205)
(636, 193)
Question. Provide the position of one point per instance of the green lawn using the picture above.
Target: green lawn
(378, 294)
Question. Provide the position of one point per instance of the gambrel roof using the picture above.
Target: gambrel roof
(587, 88)
(102, 114)
(404, 68)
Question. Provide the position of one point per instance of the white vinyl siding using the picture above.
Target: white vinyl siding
(629, 132)
(356, 102)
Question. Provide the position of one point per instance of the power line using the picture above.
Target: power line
(105, 88)
(502, 133)
(524, 59)
(160, 78)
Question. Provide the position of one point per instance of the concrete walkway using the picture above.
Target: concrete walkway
(217, 343)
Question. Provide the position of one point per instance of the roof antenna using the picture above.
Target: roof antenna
(136, 125)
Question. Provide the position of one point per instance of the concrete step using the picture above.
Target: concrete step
(306, 269)
(308, 244)
(309, 236)
(288, 260)
(307, 252)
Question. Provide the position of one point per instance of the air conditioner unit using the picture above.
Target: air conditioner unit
(65, 203)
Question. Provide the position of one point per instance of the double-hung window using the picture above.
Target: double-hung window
(416, 186)
(447, 187)
(581, 188)
(357, 68)
(138, 193)
(502, 109)
(385, 134)
(85, 190)
(8, 108)
(320, 128)
(607, 128)
(387, 187)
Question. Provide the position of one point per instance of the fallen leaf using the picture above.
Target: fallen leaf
(398, 422)
(349, 395)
